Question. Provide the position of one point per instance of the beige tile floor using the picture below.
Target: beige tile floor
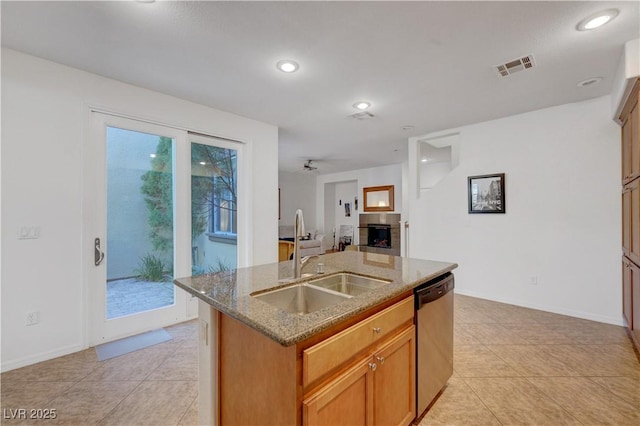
(512, 366)
(518, 366)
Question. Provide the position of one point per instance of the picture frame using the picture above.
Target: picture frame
(486, 193)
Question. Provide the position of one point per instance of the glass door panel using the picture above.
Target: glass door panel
(140, 194)
(214, 205)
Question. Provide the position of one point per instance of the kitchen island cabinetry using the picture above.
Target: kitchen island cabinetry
(378, 388)
(351, 361)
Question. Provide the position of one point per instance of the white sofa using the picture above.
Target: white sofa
(311, 247)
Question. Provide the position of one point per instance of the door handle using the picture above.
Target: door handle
(98, 255)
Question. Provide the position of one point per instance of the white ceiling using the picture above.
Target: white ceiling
(425, 64)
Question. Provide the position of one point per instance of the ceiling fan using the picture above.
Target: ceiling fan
(309, 167)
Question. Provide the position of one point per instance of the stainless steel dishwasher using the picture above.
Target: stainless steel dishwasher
(434, 339)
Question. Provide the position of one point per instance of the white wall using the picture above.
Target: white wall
(44, 127)
(298, 191)
(345, 192)
(376, 176)
(562, 221)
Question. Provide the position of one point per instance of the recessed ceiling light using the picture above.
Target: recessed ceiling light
(424, 159)
(590, 81)
(597, 20)
(287, 65)
(362, 105)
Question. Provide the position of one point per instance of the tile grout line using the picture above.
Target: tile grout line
(554, 402)
(482, 401)
(187, 410)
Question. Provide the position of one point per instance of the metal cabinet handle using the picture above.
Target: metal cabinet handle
(380, 359)
(373, 366)
(377, 329)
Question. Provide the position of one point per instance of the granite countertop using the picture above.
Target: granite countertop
(230, 292)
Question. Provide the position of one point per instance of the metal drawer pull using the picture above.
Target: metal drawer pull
(377, 329)
(373, 366)
(380, 359)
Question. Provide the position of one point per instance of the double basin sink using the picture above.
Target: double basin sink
(319, 293)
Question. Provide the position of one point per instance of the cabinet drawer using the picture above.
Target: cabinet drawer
(322, 358)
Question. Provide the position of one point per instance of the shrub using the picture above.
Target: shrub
(220, 266)
(151, 268)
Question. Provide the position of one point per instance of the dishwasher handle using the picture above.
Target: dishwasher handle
(433, 292)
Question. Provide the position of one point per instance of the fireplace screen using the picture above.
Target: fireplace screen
(379, 236)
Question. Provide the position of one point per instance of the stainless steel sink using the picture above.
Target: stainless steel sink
(302, 298)
(347, 283)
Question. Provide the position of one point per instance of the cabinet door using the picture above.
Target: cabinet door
(635, 297)
(631, 220)
(631, 145)
(627, 130)
(394, 385)
(347, 400)
(627, 287)
(634, 151)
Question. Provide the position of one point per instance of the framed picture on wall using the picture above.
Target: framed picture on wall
(486, 193)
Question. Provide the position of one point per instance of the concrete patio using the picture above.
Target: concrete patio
(129, 296)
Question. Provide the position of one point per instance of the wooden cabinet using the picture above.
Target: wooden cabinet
(379, 389)
(631, 220)
(394, 386)
(627, 286)
(359, 372)
(285, 250)
(321, 360)
(631, 142)
(630, 295)
(346, 400)
(630, 119)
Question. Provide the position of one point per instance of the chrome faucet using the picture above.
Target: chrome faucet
(298, 232)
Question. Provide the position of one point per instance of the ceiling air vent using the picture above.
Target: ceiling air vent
(516, 65)
(364, 115)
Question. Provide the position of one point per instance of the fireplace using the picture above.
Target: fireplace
(380, 233)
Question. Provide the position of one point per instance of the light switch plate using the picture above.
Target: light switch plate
(28, 232)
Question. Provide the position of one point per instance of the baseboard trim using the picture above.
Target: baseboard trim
(546, 308)
(43, 356)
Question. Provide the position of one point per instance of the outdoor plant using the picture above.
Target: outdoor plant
(158, 196)
(151, 268)
(219, 266)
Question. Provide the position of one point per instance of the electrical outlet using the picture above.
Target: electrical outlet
(33, 318)
(533, 280)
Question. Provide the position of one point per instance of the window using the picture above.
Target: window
(214, 192)
(223, 210)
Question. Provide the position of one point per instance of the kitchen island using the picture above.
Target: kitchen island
(260, 364)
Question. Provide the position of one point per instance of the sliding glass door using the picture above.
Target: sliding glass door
(158, 203)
